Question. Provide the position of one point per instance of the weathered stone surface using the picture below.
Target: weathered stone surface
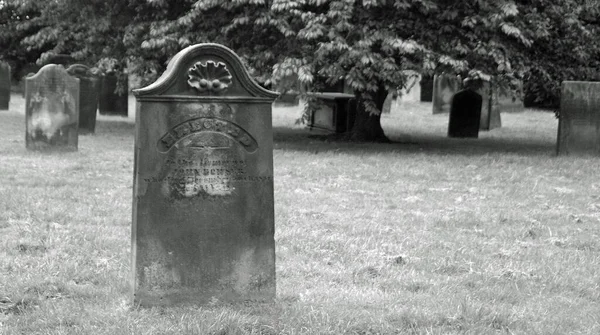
(51, 109)
(89, 84)
(336, 113)
(579, 120)
(444, 88)
(426, 84)
(4, 85)
(490, 109)
(465, 114)
(203, 205)
(111, 101)
(412, 91)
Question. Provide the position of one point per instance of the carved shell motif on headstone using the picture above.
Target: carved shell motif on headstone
(209, 77)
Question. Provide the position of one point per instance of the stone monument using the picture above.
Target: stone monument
(426, 84)
(112, 101)
(4, 85)
(444, 88)
(465, 114)
(88, 97)
(579, 119)
(51, 109)
(490, 108)
(203, 203)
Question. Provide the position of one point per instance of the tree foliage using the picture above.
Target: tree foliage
(367, 44)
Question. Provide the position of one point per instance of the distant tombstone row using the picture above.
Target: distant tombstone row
(579, 119)
(51, 110)
(4, 85)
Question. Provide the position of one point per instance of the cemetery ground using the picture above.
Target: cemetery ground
(427, 235)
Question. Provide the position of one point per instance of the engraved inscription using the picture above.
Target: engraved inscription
(206, 178)
(195, 132)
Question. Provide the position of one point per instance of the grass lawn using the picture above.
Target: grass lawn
(427, 235)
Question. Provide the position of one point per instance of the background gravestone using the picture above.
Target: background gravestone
(111, 101)
(203, 204)
(4, 85)
(444, 88)
(465, 114)
(426, 84)
(51, 109)
(89, 84)
(490, 108)
(579, 119)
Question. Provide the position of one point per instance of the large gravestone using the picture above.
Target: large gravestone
(4, 85)
(88, 97)
(203, 204)
(444, 88)
(465, 114)
(112, 101)
(51, 109)
(579, 120)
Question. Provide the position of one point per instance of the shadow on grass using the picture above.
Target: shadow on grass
(434, 144)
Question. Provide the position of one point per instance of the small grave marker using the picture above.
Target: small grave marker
(51, 109)
(88, 97)
(579, 120)
(4, 85)
(203, 205)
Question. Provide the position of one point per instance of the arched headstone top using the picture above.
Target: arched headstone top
(205, 71)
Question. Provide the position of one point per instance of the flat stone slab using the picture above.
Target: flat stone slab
(579, 120)
(203, 204)
(51, 109)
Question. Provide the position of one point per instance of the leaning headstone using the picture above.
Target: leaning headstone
(444, 88)
(426, 84)
(51, 109)
(112, 101)
(88, 97)
(465, 114)
(4, 85)
(579, 119)
(203, 204)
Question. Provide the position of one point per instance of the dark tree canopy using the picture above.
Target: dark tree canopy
(365, 43)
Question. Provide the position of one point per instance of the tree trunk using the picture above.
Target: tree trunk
(367, 126)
